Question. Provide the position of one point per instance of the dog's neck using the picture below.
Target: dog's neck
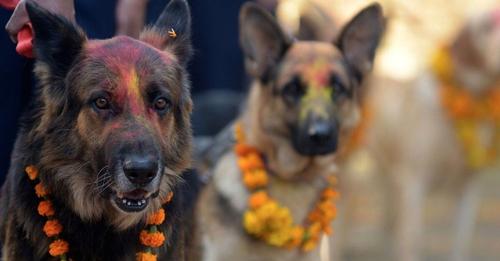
(281, 158)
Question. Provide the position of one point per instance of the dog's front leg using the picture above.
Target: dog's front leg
(409, 193)
(465, 219)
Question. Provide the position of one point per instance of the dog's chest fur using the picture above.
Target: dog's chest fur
(224, 201)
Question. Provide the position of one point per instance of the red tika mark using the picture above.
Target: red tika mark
(317, 74)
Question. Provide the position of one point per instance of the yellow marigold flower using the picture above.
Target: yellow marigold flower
(278, 238)
(251, 223)
(157, 217)
(58, 247)
(257, 199)
(40, 190)
(144, 256)
(32, 172)
(45, 208)
(154, 239)
(52, 228)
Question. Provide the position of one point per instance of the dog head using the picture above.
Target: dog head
(115, 113)
(476, 52)
(308, 87)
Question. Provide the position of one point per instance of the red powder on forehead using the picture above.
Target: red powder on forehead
(130, 60)
(121, 50)
(317, 74)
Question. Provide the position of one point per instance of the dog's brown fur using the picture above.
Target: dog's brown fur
(271, 119)
(96, 105)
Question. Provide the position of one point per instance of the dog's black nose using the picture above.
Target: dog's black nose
(140, 170)
(320, 132)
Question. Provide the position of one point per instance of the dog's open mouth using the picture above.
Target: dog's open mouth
(133, 201)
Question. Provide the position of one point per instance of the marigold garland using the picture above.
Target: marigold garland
(468, 112)
(266, 219)
(151, 237)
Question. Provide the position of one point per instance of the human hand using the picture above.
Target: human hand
(20, 19)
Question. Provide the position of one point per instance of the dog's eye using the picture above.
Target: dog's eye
(339, 90)
(101, 103)
(161, 104)
(293, 91)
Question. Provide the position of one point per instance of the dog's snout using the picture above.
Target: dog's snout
(139, 169)
(320, 131)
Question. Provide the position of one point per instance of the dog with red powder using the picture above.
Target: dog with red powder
(96, 169)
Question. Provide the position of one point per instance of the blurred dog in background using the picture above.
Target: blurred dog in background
(444, 127)
(300, 109)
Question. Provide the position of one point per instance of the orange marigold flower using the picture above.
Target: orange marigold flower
(296, 236)
(309, 245)
(144, 256)
(314, 230)
(329, 193)
(58, 247)
(45, 208)
(40, 190)
(154, 239)
(157, 217)
(255, 179)
(52, 228)
(169, 197)
(461, 106)
(32, 172)
(242, 149)
(250, 162)
(257, 199)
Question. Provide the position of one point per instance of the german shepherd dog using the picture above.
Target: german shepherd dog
(295, 121)
(416, 144)
(110, 134)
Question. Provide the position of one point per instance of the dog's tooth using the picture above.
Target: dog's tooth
(128, 203)
(124, 201)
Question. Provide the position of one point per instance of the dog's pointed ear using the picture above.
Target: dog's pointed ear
(172, 30)
(262, 40)
(57, 41)
(360, 38)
